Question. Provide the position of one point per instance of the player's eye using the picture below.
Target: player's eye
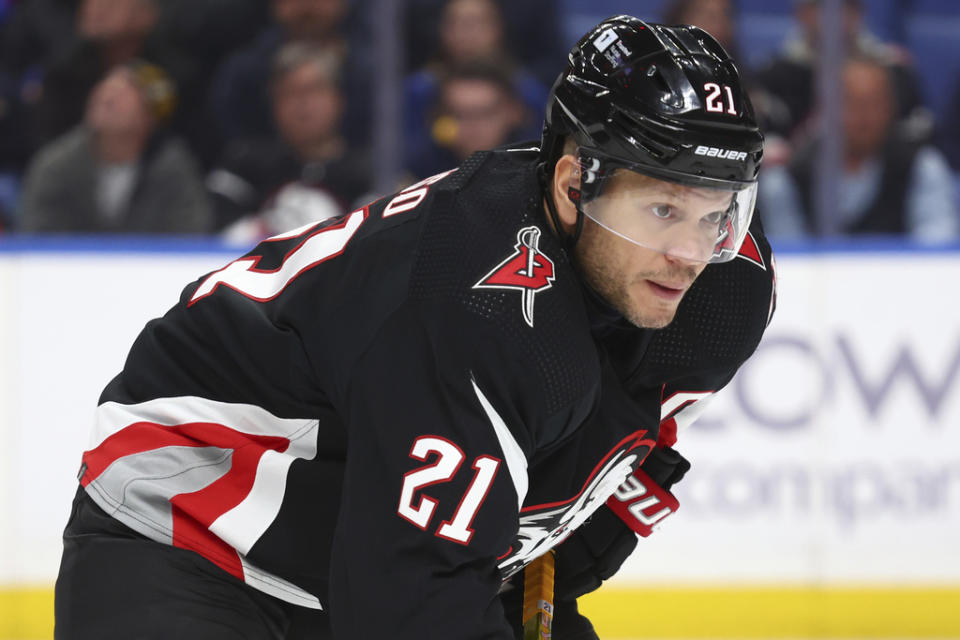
(714, 217)
(662, 211)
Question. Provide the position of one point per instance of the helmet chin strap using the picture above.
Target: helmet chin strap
(603, 315)
(569, 240)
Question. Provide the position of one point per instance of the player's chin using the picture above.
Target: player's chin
(650, 311)
(657, 315)
(656, 322)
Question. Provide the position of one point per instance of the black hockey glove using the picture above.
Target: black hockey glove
(596, 550)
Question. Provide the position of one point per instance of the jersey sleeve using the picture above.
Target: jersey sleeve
(440, 431)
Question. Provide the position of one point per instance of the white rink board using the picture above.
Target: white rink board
(834, 457)
(73, 316)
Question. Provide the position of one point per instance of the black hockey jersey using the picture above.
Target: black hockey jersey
(394, 410)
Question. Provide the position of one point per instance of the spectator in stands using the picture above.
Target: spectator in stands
(532, 31)
(119, 170)
(34, 32)
(789, 80)
(209, 30)
(240, 99)
(270, 184)
(32, 35)
(109, 33)
(891, 182)
(949, 130)
(477, 108)
(716, 17)
(471, 31)
(206, 32)
(9, 195)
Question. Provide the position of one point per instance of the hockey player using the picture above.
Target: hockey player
(374, 423)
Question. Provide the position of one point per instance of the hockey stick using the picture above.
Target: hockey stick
(538, 598)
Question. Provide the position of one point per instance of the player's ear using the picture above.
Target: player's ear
(566, 186)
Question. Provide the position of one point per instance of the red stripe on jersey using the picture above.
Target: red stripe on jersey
(193, 513)
(145, 436)
(190, 534)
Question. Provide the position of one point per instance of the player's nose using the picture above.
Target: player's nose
(687, 248)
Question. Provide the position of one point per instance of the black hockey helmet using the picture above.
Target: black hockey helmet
(663, 101)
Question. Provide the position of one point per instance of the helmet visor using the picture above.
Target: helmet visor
(692, 218)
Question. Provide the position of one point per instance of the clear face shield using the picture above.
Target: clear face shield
(698, 219)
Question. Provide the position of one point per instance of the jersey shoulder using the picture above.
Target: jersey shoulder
(490, 266)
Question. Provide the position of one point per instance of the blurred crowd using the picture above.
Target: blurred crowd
(245, 118)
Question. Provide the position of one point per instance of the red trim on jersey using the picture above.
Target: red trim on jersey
(639, 438)
(193, 513)
(194, 536)
(683, 405)
(668, 425)
(255, 260)
(702, 393)
(750, 251)
(309, 233)
(145, 436)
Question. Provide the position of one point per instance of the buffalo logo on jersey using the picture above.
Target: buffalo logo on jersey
(527, 270)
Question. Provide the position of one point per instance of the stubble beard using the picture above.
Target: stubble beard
(659, 314)
(615, 287)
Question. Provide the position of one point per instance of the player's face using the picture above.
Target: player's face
(644, 284)
(684, 222)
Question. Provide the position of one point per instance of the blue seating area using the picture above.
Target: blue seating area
(930, 29)
(934, 41)
(580, 15)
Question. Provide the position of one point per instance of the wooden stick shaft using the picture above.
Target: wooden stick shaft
(538, 598)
